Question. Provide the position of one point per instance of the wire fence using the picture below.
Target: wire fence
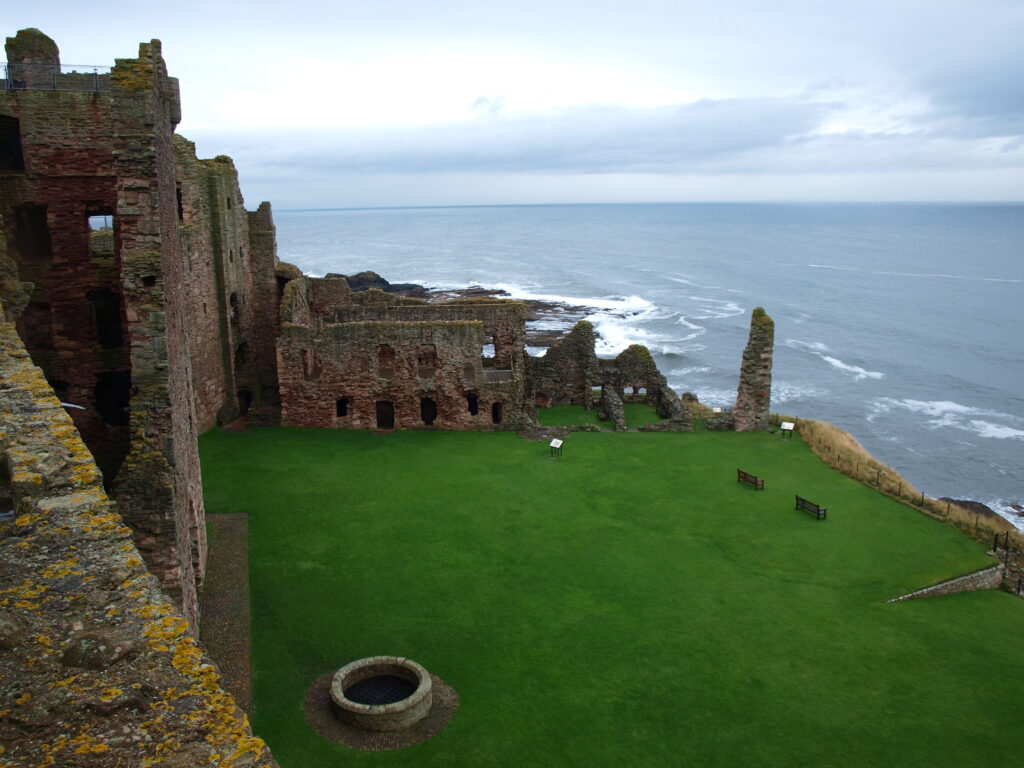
(53, 77)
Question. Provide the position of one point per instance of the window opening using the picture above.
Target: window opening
(473, 403)
(181, 204)
(426, 361)
(106, 311)
(31, 233)
(233, 302)
(341, 407)
(311, 365)
(385, 361)
(11, 156)
(496, 413)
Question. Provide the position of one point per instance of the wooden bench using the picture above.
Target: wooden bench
(814, 509)
(746, 477)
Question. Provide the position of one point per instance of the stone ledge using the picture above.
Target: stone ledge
(98, 666)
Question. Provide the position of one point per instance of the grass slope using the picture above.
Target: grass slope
(628, 604)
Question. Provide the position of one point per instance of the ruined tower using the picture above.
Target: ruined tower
(753, 399)
(134, 283)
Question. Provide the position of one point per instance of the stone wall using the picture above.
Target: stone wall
(98, 668)
(635, 373)
(753, 399)
(569, 373)
(371, 360)
(989, 578)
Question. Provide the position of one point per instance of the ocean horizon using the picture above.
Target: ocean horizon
(894, 321)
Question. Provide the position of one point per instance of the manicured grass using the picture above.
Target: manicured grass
(637, 415)
(628, 604)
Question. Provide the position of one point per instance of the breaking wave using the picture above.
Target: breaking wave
(822, 351)
(946, 413)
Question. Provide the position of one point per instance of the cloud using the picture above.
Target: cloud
(781, 135)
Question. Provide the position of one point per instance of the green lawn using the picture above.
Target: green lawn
(628, 604)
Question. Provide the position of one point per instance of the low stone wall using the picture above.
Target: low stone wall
(97, 665)
(990, 578)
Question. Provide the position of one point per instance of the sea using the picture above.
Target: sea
(900, 323)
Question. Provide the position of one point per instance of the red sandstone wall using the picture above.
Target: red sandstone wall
(433, 351)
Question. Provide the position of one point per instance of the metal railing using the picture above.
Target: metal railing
(50, 77)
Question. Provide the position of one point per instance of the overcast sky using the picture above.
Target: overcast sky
(439, 102)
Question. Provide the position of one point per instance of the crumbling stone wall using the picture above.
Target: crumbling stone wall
(371, 360)
(634, 370)
(569, 372)
(97, 668)
(753, 399)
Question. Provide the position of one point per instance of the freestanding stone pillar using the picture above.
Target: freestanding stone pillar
(753, 399)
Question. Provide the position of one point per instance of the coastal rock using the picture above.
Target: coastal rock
(364, 281)
(975, 506)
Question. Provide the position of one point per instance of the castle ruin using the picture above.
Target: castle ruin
(141, 304)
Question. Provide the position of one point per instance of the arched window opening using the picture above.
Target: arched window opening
(473, 403)
(341, 407)
(428, 411)
(496, 413)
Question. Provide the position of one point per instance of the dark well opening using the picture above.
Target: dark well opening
(428, 411)
(11, 157)
(380, 689)
(385, 415)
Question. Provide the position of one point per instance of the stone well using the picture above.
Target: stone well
(381, 693)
